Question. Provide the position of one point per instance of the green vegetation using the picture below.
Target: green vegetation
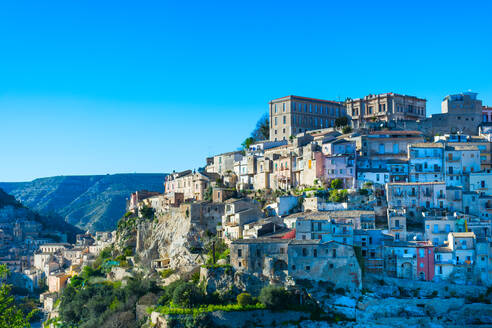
(248, 142)
(147, 212)
(336, 184)
(338, 195)
(209, 308)
(84, 304)
(341, 121)
(346, 129)
(275, 297)
(11, 314)
(244, 299)
(221, 251)
(166, 273)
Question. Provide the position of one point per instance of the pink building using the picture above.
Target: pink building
(425, 261)
(339, 162)
(487, 114)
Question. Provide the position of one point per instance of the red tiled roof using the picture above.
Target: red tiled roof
(290, 235)
(396, 132)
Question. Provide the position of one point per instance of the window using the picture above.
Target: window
(315, 253)
(239, 264)
(334, 253)
(304, 251)
(258, 253)
(239, 253)
(283, 104)
(284, 119)
(331, 265)
(293, 267)
(308, 268)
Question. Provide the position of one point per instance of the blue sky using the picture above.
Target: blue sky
(96, 87)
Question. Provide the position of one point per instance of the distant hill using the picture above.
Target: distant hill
(50, 223)
(92, 202)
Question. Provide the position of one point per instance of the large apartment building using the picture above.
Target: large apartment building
(292, 115)
(385, 107)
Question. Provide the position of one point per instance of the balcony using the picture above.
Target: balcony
(453, 262)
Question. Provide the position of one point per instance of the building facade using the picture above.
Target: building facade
(293, 114)
(385, 107)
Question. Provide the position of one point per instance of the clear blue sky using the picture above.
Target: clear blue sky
(95, 87)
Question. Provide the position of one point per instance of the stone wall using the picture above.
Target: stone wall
(265, 318)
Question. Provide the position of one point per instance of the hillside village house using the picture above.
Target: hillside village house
(460, 161)
(378, 147)
(410, 260)
(455, 260)
(300, 259)
(340, 159)
(191, 184)
(397, 223)
(426, 162)
(414, 196)
(223, 163)
(238, 212)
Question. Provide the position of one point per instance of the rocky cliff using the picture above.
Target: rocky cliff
(93, 202)
(172, 236)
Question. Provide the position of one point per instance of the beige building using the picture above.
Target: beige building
(191, 184)
(385, 107)
(293, 114)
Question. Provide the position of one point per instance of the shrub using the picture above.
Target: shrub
(340, 291)
(187, 295)
(244, 299)
(147, 212)
(166, 273)
(336, 184)
(274, 297)
(346, 129)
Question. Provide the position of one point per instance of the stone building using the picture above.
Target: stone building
(376, 148)
(324, 261)
(409, 260)
(371, 244)
(426, 162)
(460, 113)
(223, 163)
(397, 223)
(300, 259)
(385, 107)
(192, 184)
(413, 196)
(293, 114)
(238, 212)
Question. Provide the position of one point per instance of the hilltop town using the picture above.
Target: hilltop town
(337, 213)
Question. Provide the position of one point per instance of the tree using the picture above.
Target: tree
(341, 121)
(336, 184)
(274, 297)
(244, 299)
(147, 212)
(187, 295)
(248, 142)
(10, 314)
(262, 129)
